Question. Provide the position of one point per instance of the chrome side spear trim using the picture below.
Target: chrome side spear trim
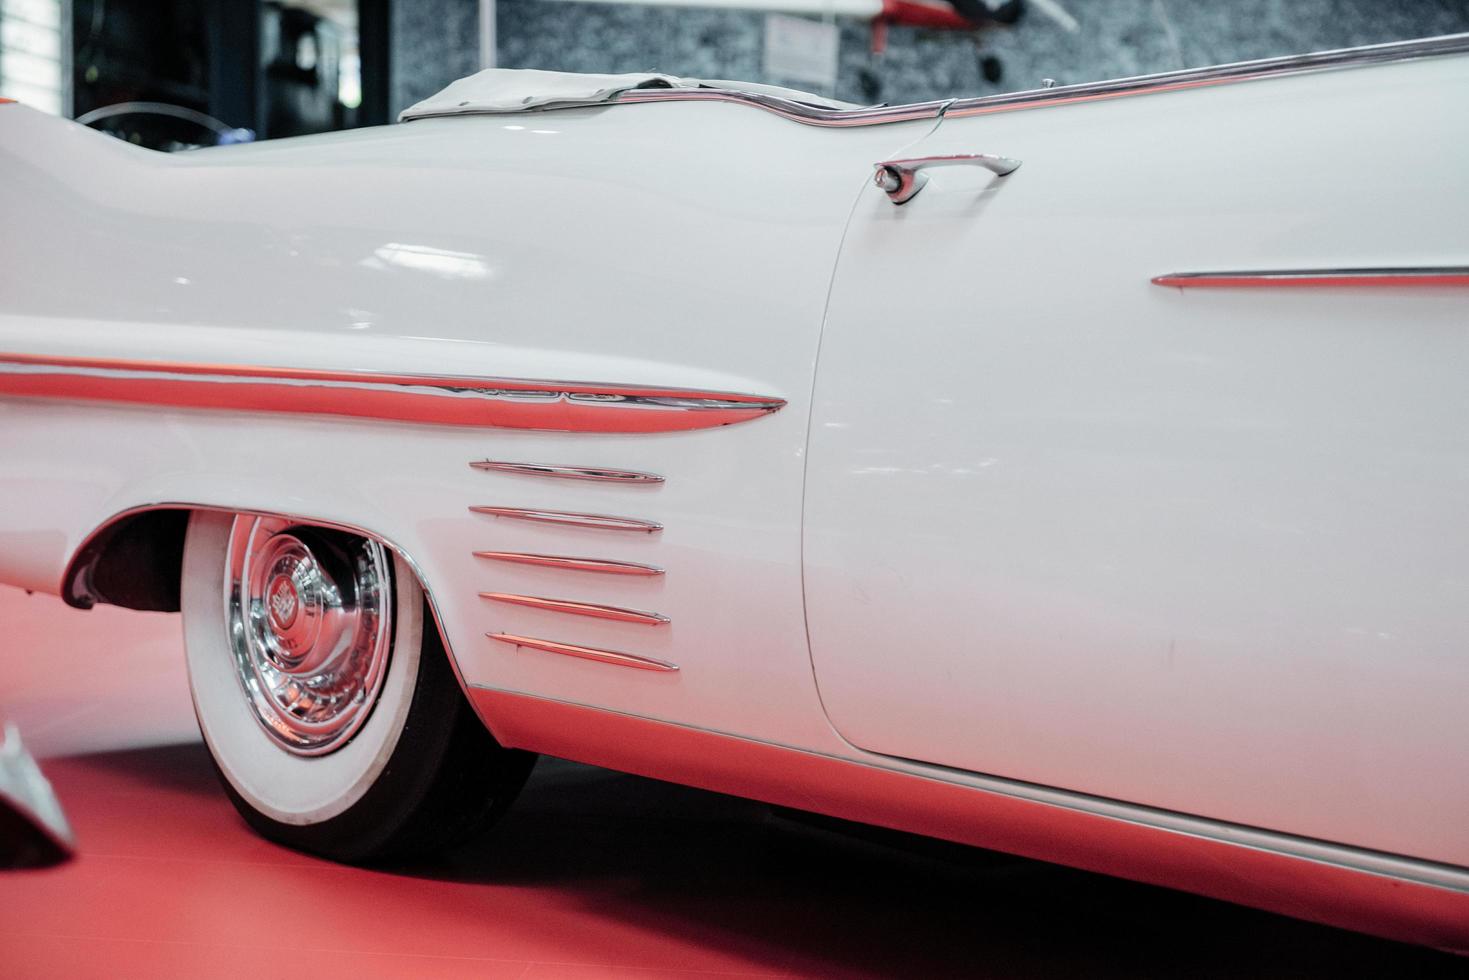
(602, 521)
(571, 563)
(585, 653)
(1287, 278)
(509, 403)
(594, 609)
(567, 472)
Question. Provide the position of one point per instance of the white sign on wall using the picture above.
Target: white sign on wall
(32, 59)
(801, 50)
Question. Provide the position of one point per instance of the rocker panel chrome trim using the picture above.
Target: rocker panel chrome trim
(604, 565)
(513, 403)
(1418, 276)
(605, 522)
(567, 472)
(584, 653)
(1401, 898)
(594, 609)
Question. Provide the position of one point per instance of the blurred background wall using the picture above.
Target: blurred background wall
(1115, 38)
(176, 73)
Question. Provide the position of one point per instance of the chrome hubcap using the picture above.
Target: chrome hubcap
(310, 627)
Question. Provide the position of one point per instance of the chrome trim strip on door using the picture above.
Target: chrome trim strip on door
(1240, 71)
(601, 521)
(593, 609)
(571, 563)
(1288, 278)
(1243, 71)
(567, 472)
(585, 653)
(567, 406)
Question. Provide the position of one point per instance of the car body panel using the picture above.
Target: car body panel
(420, 248)
(1197, 549)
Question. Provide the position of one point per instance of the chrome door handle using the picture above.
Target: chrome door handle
(901, 178)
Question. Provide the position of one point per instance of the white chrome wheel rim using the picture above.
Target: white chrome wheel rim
(310, 626)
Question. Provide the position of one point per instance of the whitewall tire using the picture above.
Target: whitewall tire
(324, 695)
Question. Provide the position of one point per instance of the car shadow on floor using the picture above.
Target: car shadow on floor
(823, 898)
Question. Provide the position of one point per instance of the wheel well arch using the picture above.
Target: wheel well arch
(133, 560)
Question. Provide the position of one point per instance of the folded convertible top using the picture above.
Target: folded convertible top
(521, 89)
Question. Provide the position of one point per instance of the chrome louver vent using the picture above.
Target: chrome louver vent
(608, 566)
(593, 609)
(605, 522)
(567, 472)
(585, 653)
(572, 563)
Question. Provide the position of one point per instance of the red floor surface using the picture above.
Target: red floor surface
(594, 874)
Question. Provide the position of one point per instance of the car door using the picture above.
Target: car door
(1204, 549)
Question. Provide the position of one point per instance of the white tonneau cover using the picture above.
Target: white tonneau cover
(520, 89)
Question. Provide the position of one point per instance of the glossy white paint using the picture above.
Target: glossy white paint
(1202, 550)
(1029, 469)
(702, 260)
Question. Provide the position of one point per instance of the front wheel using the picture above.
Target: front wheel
(327, 702)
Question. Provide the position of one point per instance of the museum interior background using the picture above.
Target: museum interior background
(284, 68)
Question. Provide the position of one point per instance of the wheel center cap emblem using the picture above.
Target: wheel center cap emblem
(283, 602)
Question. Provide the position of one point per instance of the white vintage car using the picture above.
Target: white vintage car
(1092, 484)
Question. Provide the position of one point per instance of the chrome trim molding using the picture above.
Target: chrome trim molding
(1402, 898)
(584, 653)
(603, 565)
(567, 472)
(511, 403)
(801, 112)
(593, 609)
(603, 521)
(1239, 71)
(1287, 278)
(1418, 870)
(1242, 71)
